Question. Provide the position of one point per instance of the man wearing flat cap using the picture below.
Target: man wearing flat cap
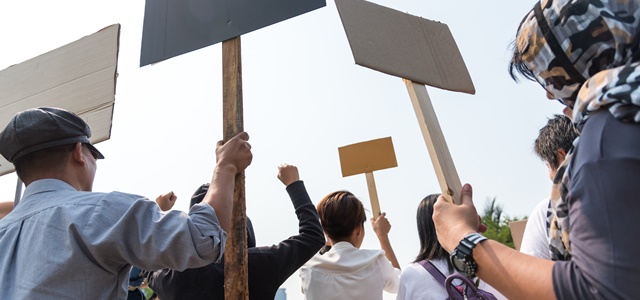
(65, 242)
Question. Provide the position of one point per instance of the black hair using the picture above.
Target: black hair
(47, 158)
(517, 67)
(430, 248)
(198, 196)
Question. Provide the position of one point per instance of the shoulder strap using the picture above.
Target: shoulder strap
(433, 270)
(470, 291)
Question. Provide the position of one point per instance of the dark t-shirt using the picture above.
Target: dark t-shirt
(603, 210)
(269, 266)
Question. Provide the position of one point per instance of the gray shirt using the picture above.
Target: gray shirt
(60, 243)
(603, 210)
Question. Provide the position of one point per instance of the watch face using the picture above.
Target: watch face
(457, 263)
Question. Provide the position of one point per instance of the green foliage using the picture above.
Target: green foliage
(497, 223)
(148, 292)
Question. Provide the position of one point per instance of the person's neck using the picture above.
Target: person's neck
(74, 183)
(351, 240)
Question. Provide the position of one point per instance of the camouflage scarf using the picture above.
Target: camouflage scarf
(585, 52)
(559, 246)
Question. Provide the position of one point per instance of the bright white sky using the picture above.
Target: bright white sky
(303, 98)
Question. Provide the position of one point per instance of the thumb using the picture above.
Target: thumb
(466, 196)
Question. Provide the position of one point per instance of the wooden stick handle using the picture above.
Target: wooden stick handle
(373, 194)
(236, 279)
(436, 144)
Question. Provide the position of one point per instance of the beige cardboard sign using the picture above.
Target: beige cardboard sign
(366, 157)
(404, 45)
(80, 77)
(517, 231)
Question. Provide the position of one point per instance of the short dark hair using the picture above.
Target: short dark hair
(340, 214)
(559, 133)
(198, 196)
(43, 159)
(430, 248)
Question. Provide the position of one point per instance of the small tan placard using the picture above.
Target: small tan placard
(366, 157)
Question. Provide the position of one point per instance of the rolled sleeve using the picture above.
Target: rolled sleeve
(206, 225)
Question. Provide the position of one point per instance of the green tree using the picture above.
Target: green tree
(497, 223)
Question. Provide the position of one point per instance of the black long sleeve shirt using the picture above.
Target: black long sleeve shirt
(269, 266)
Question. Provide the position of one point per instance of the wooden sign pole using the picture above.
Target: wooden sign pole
(436, 144)
(373, 194)
(236, 283)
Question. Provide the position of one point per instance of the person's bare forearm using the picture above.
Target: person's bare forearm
(220, 194)
(5, 208)
(385, 244)
(516, 275)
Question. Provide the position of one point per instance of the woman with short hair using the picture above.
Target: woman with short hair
(346, 271)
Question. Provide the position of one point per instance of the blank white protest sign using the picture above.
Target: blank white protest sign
(79, 77)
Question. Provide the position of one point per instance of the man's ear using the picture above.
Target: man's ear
(560, 155)
(76, 154)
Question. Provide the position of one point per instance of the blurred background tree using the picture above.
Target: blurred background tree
(497, 223)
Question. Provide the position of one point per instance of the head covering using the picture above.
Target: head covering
(198, 196)
(587, 48)
(586, 53)
(39, 128)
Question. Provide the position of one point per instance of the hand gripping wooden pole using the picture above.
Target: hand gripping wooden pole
(421, 51)
(436, 144)
(236, 283)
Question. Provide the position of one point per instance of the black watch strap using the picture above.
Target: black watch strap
(462, 258)
(472, 239)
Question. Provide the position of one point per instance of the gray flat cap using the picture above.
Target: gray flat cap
(43, 127)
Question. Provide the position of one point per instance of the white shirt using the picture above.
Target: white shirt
(535, 240)
(346, 272)
(416, 283)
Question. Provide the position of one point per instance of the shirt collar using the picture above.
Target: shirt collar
(46, 185)
(342, 245)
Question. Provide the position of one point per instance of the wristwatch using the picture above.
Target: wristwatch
(461, 257)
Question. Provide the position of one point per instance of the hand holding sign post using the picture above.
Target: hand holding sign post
(421, 52)
(367, 157)
(175, 27)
